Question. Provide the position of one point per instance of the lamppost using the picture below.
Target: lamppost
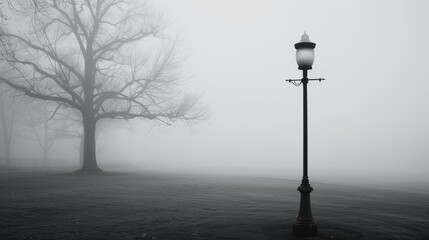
(304, 224)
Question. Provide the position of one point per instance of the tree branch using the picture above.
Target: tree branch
(50, 54)
(32, 93)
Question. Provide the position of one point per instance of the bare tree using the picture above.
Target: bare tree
(8, 115)
(104, 58)
(3, 16)
(46, 130)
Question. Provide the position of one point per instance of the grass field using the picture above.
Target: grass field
(47, 205)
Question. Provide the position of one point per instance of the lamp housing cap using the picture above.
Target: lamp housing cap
(301, 45)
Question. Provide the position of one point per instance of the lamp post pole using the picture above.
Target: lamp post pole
(305, 130)
(304, 224)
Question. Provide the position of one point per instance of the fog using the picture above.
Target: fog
(368, 122)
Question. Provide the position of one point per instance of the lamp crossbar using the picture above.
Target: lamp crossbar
(300, 80)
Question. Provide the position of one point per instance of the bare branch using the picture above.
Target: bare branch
(50, 54)
(31, 93)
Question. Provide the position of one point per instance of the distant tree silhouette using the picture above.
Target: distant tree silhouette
(3, 16)
(45, 130)
(8, 118)
(104, 58)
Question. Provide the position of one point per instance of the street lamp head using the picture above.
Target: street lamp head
(305, 52)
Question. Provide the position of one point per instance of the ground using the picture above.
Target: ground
(47, 205)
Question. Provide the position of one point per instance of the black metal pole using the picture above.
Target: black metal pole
(305, 132)
(304, 224)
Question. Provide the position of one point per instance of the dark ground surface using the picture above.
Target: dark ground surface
(46, 205)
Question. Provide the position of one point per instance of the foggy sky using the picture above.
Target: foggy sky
(368, 120)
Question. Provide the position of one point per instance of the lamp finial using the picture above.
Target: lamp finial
(305, 38)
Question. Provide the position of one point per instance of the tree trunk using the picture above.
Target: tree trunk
(6, 134)
(46, 145)
(81, 151)
(89, 152)
(88, 114)
(7, 152)
(46, 156)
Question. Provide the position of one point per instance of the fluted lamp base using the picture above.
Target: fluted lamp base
(305, 230)
(305, 225)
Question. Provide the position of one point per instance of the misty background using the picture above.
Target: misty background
(367, 122)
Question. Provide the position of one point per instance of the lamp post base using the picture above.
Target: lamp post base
(305, 230)
(305, 225)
